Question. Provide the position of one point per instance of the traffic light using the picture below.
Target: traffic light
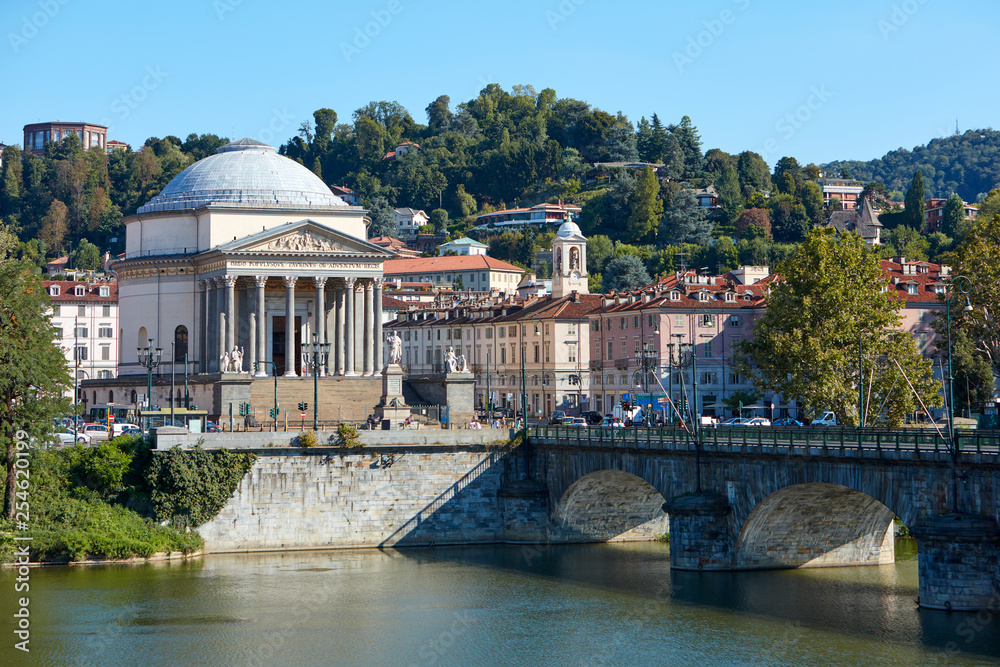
(243, 410)
(303, 406)
(273, 412)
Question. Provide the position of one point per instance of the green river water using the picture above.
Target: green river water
(606, 604)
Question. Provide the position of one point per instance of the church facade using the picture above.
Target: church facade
(246, 255)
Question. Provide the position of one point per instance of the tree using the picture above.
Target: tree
(812, 199)
(383, 218)
(599, 250)
(754, 174)
(906, 241)
(787, 175)
(754, 217)
(54, 227)
(789, 221)
(953, 216)
(875, 193)
(915, 201)
(690, 144)
(625, 273)
(973, 384)
(978, 258)
(33, 373)
(730, 197)
(647, 208)
(684, 222)
(439, 219)
(86, 257)
(805, 345)
(741, 398)
(439, 115)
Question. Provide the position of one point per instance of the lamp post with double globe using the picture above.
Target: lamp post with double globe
(149, 358)
(317, 353)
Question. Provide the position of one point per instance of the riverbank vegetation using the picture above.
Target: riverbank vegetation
(120, 500)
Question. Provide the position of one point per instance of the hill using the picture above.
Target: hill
(968, 164)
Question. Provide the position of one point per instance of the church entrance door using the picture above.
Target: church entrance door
(278, 344)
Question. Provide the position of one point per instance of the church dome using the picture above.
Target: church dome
(569, 229)
(246, 174)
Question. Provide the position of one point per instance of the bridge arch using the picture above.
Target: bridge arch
(609, 505)
(816, 524)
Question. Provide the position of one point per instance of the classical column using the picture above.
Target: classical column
(253, 342)
(338, 329)
(349, 327)
(321, 316)
(230, 282)
(261, 342)
(222, 339)
(379, 337)
(290, 360)
(203, 347)
(369, 348)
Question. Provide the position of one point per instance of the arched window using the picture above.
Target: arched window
(111, 396)
(135, 398)
(95, 398)
(143, 338)
(180, 343)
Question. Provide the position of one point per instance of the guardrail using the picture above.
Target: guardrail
(869, 443)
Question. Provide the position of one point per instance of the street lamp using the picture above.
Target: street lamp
(318, 354)
(648, 363)
(149, 358)
(960, 285)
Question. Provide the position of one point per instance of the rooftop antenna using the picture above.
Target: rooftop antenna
(683, 256)
(957, 133)
(234, 133)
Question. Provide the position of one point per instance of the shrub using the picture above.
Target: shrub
(348, 436)
(307, 439)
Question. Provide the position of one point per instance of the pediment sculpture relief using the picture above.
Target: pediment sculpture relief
(305, 241)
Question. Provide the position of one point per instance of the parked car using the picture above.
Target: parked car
(212, 427)
(118, 428)
(577, 422)
(613, 422)
(787, 421)
(758, 421)
(96, 431)
(736, 421)
(69, 436)
(558, 417)
(593, 418)
(133, 430)
(828, 418)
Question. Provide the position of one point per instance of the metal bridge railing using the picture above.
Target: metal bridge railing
(826, 441)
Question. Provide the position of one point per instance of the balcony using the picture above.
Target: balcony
(621, 364)
(596, 364)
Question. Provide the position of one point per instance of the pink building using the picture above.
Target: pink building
(714, 313)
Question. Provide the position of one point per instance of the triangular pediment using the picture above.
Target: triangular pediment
(306, 237)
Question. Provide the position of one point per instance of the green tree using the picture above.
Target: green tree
(811, 197)
(689, 142)
(439, 219)
(906, 241)
(646, 208)
(915, 201)
(973, 383)
(439, 115)
(684, 222)
(33, 374)
(730, 198)
(86, 257)
(953, 216)
(599, 250)
(789, 221)
(805, 345)
(787, 175)
(383, 218)
(726, 257)
(754, 174)
(625, 273)
(988, 207)
(462, 202)
(978, 258)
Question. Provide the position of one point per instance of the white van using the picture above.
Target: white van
(118, 427)
(826, 419)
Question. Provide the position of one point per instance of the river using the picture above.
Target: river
(567, 605)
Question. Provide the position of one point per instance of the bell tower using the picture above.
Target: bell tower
(569, 261)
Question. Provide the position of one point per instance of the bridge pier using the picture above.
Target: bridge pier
(959, 563)
(700, 538)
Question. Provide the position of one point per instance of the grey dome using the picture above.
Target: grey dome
(569, 230)
(248, 174)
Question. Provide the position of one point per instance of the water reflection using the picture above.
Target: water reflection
(592, 604)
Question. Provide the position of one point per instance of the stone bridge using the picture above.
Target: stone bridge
(781, 500)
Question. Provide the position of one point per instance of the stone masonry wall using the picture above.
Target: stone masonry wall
(332, 499)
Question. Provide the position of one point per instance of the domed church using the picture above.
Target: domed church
(248, 250)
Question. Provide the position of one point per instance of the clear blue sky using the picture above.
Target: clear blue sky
(818, 81)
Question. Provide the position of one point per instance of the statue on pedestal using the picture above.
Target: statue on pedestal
(450, 360)
(395, 347)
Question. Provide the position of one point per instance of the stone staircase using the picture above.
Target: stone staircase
(341, 399)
